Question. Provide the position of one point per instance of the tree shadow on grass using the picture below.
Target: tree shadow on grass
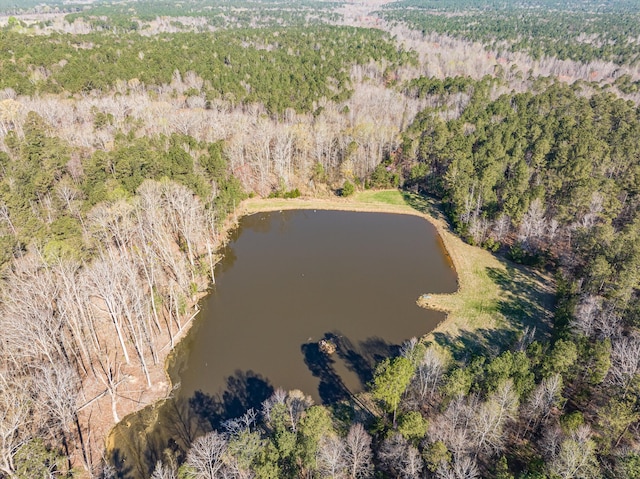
(525, 303)
(244, 390)
(425, 204)
(468, 344)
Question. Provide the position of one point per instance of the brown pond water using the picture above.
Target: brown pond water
(288, 280)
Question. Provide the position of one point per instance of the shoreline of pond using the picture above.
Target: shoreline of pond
(263, 205)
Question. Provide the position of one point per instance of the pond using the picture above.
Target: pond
(288, 281)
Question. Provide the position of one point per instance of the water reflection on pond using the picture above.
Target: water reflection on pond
(287, 281)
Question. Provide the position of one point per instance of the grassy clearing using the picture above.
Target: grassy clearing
(496, 299)
(388, 197)
(383, 201)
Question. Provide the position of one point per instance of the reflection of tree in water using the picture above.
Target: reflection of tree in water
(171, 428)
(331, 388)
(244, 390)
(180, 425)
(285, 218)
(361, 360)
(137, 443)
(259, 222)
(229, 257)
(118, 460)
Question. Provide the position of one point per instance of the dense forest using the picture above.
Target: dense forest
(577, 30)
(239, 13)
(280, 69)
(130, 132)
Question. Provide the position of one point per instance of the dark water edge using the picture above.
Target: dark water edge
(288, 280)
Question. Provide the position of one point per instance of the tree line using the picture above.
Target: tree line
(555, 169)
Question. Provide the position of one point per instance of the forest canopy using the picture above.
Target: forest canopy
(131, 131)
(281, 68)
(578, 30)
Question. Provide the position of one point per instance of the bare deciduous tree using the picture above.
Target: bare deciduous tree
(236, 426)
(294, 403)
(58, 387)
(412, 465)
(358, 452)
(400, 458)
(587, 311)
(6, 217)
(208, 458)
(109, 372)
(501, 227)
(283, 154)
(428, 374)
(491, 417)
(453, 426)
(575, 458)
(163, 471)
(463, 467)
(625, 362)
(533, 225)
(543, 399)
(331, 460)
(15, 415)
(31, 325)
